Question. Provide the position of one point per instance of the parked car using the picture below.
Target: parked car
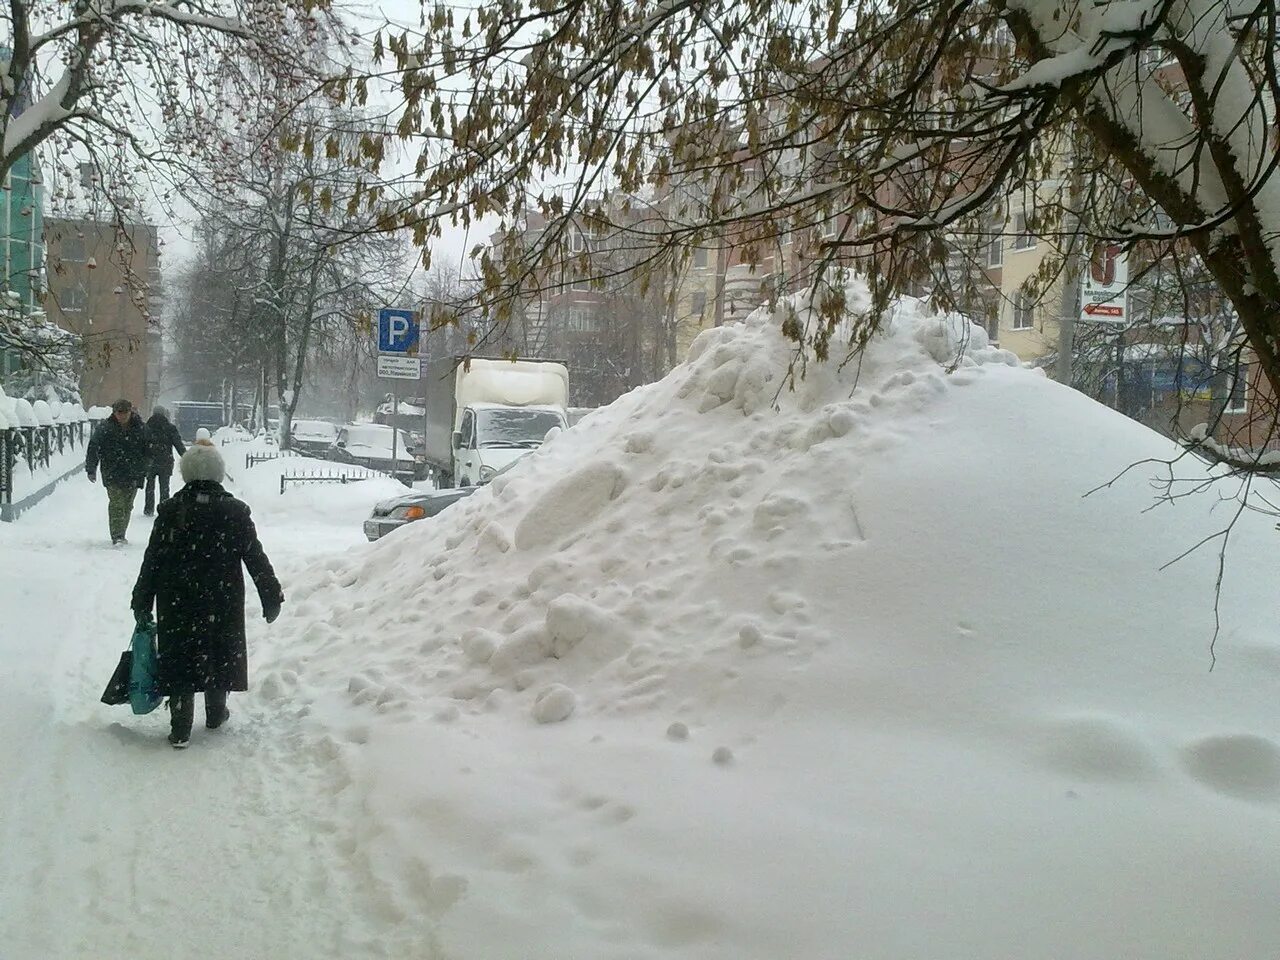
(369, 445)
(395, 513)
(313, 437)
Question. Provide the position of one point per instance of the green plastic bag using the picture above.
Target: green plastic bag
(144, 695)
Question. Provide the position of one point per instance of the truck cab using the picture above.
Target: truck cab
(493, 436)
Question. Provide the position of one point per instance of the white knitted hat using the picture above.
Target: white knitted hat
(202, 461)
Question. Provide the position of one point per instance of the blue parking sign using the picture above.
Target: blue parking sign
(397, 330)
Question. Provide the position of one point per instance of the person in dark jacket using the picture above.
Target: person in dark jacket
(119, 446)
(191, 571)
(164, 440)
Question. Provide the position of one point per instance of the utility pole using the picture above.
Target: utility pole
(395, 424)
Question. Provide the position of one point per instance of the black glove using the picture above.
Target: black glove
(270, 611)
(93, 477)
(142, 618)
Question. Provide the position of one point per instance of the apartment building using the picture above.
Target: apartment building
(104, 286)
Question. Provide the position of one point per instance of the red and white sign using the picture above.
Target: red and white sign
(1104, 287)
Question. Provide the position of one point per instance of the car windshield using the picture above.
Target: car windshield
(514, 427)
(374, 440)
(314, 430)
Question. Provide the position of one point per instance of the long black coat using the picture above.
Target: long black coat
(123, 453)
(164, 440)
(191, 570)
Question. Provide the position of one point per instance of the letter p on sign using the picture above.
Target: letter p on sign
(397, 331)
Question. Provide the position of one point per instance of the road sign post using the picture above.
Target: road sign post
(397, 360)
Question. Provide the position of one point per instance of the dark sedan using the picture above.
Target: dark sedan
(396, 512)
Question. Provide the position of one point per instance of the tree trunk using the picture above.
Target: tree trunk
(253, 410)
(288, 408)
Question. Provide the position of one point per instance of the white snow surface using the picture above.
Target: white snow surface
(728, 670)
(24, 413)
(43, 413)
(27, 481)
(864, 675)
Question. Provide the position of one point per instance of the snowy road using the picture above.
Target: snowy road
(112, 845)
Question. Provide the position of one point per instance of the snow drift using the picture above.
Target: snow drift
(845, 667)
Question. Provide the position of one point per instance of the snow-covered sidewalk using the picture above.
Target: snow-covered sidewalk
(114, 846)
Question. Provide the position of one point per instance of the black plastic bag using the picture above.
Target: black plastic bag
(117, 691)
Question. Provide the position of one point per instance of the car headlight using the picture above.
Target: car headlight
(487, 473)
(411, 512)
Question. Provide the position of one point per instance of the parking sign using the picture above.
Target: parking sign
(397, 331)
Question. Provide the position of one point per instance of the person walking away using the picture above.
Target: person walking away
(192, 573)
(164, 439)
(119, 446)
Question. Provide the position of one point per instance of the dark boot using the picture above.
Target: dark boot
(215, 708)
(182, 709)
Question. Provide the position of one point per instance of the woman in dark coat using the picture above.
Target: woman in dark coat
(163, 438)
(191, 571)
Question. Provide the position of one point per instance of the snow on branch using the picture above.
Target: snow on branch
(1239, 459)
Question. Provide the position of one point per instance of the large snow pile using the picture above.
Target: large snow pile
(852, 669)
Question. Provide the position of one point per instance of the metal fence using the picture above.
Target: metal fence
(33, 448)
(328, 476)
(252, 459)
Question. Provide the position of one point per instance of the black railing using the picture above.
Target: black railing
(251, 459)
(328, 476)
(7, 459)
(33, 448)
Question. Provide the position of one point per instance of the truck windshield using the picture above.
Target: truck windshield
(515, 427)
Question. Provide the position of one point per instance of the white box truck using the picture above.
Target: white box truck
(483, 413)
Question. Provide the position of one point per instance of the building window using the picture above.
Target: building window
(995, 250)
(72, 299)
(71, 249)
(577, 242)
(1023, 311)
(700, 256)
(87, 175)
(698, 303)
(1238, 401)
(1153, 58)
(1022, 238)
(578, 319)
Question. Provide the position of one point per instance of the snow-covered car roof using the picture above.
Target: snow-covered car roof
(314, 428)
(376, 439)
